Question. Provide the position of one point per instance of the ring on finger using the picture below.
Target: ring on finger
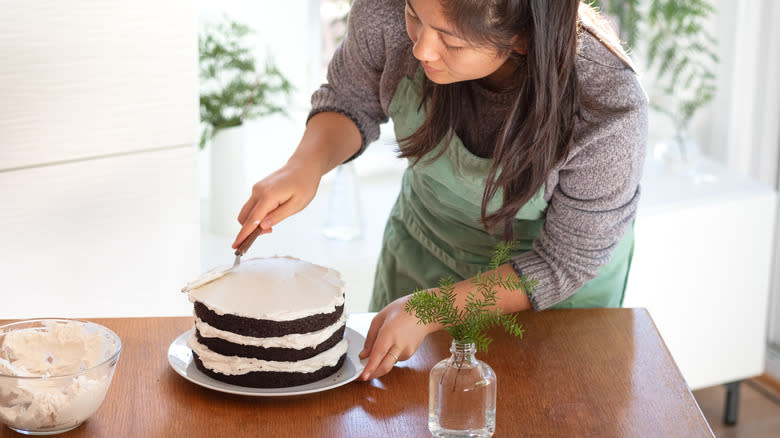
(393, 354)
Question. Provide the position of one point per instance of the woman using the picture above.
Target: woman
(520, 120)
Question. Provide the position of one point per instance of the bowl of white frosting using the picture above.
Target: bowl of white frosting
(54, 373)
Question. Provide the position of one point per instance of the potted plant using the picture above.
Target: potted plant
(462, 389)
(232, 91)
(680, 57)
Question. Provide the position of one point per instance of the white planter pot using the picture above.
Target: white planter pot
(228, 183)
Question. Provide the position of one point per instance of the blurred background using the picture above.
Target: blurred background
(109, 201)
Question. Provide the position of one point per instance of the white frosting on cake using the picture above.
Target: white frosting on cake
(275, 288)
(235, 365)
(296, 341)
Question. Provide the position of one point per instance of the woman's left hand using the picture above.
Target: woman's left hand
(394, 335)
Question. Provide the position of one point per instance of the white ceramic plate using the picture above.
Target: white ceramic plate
(180, 358)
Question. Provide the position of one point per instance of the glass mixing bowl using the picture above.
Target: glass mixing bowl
(54, 373)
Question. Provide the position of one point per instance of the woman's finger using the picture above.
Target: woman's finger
(249, 205)
(373, 330)
(385, 365)
(282, 212)
(377, 361)
(256, 219)
(378, 350)
(245, 231)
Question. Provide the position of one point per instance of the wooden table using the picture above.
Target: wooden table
(587, 372)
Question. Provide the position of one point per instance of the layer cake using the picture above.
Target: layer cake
(269, 323)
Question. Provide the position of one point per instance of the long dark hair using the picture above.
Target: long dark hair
(539, 129)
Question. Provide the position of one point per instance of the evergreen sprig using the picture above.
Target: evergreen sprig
(479, 314)
(232, 89)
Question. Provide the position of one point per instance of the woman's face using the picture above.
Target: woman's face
(445, 57)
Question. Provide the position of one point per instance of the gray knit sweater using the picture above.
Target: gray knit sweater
(592, 196)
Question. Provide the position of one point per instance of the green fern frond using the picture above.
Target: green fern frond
(479, 312)
(500, 254)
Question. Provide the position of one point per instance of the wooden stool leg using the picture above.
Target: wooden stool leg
(732, 403)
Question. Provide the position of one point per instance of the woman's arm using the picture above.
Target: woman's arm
(345, 116)
(594, 194)
(329, 139)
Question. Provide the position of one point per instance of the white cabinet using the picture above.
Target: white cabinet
(98, 124)
(701, 267)
(99, 238)
(93, 79)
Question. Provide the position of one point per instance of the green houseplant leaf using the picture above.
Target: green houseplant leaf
(232, 88)
(680, 50)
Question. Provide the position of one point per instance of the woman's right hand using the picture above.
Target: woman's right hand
(277, 197)
(329, 139)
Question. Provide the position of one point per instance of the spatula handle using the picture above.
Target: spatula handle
(242, 249)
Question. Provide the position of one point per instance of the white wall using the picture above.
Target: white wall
(746, 133)
(740, 128)
(743, 128)
(764, 158)
(99, 212)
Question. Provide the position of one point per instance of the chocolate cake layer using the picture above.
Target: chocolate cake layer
(278, 354)
(264, 328)
(269, 379)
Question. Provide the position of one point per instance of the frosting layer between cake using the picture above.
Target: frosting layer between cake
(234, 365)
(294, 340)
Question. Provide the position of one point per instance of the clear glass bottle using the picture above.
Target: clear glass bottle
(462, 395)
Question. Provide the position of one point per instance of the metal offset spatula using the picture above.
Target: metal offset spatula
(216, 273)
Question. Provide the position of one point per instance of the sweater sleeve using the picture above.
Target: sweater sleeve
(355, 72)
(593, 195)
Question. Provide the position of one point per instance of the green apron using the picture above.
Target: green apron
(434, 229)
